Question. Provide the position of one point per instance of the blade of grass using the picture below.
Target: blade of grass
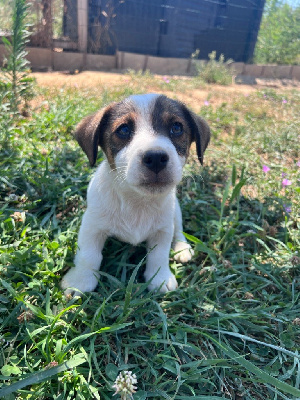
(262, 376)
(272, 346)
(130, 286)
(80, 338)
(37, 377)
(199, 397)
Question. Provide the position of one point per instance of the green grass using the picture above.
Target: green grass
(231, 330)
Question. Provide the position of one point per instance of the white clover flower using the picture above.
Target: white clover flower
(124, 384)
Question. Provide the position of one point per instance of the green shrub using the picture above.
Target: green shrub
(15, 80)
(215, 71)
(279, 36)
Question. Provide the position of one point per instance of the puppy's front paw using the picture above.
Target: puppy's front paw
(184, 252)
(77, 281)
(164, 280)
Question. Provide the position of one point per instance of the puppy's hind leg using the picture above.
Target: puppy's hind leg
(84, 276)
(183, 250)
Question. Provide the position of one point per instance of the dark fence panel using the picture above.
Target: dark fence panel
(187, 19)
(172, 28)
(236, 35)
(70, 29)
(137, 26)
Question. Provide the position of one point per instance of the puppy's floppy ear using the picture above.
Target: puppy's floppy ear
(200, 132)
(200, 135)
(89, 133)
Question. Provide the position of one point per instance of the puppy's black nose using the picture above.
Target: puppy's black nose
(155, 160)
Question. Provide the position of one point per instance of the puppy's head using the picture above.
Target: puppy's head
(146, 139)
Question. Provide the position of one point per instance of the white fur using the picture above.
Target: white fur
(118, 206)
(128, 160)
(144, 103)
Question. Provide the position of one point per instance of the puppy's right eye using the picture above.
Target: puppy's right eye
(124, 131)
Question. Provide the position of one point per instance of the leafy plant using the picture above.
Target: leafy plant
(215, 71)
(279, 35)
(16, 79)
(5, 15)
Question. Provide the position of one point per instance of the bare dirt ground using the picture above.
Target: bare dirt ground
(216, 94)
(83, 79)
(92, 78)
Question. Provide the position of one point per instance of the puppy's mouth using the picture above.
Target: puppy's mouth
(156, 184)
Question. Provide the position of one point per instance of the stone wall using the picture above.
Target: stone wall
(50, 60)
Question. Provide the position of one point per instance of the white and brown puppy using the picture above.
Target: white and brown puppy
(132, 196)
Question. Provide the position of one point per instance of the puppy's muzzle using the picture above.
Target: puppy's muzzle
(155, 160)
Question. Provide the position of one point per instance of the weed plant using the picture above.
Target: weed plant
(278, 38)
(215, 71)
(16, 84)
(230, 331)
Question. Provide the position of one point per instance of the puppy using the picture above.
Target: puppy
(132, 196)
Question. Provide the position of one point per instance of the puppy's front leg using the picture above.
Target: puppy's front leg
(180, 245)
(84, 276)
(158, 260)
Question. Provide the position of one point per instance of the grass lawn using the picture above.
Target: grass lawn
(231, 330)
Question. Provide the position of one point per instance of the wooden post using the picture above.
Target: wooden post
(82, 18)
(47, 33)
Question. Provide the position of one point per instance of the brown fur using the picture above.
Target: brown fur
(90, 131)
(166, 112)
(98, 130)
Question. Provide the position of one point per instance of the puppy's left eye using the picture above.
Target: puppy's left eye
(176, 129)
(124, 131)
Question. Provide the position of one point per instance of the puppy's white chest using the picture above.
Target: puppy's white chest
(135, 224)
(128, 216)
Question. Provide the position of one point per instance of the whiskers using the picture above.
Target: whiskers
(190, 178)
(120, 173)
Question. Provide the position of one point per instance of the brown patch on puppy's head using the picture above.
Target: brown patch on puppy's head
(89, 130)
(102, 129)
(200, 132)
(168, 114)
